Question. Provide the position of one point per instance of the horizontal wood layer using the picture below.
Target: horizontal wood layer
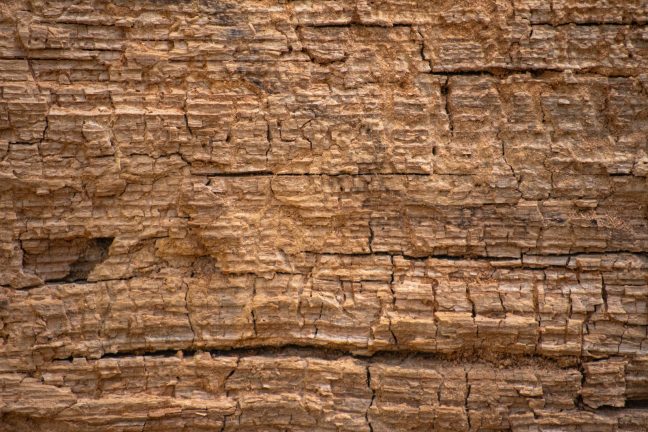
(583, 306)
(300, 391)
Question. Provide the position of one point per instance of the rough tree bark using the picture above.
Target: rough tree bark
(335, 215)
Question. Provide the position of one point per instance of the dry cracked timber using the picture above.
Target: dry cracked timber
(265, 215)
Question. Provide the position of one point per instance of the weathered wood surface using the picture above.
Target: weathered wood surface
(264, 215)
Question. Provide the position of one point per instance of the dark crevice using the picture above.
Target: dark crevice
(495, 72)
(445, 93)
(243, 174)
(85, 281)
(156, 353)
(579, 402)
(65, 261)
(186, 120)
(95, 253)
(466, 257)
(373, 398)
(472, 257)
(327, 353)
(639, 403)
(505, 72)
(466, 400)
(355, 23)
(585, 253)
(631, 23)
(371, 237)
(306, 174)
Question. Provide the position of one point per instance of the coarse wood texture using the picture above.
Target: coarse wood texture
(323, 215)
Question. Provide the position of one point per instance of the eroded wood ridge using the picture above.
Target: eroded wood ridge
(334, 215)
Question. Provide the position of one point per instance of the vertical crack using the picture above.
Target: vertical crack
(470, 300)
(229, 375)
(373, 398)
(468, 388)
(191, 326)
(269, 138)
(393, 295)
(318, 318)
(445, 93)
(604, 295)
(186, 116)
(501, 300)
(435, 308)
(422, 48)
(536, 309)
(252, 312)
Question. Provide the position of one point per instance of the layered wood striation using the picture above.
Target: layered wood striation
(297, 390)
(332, 215)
